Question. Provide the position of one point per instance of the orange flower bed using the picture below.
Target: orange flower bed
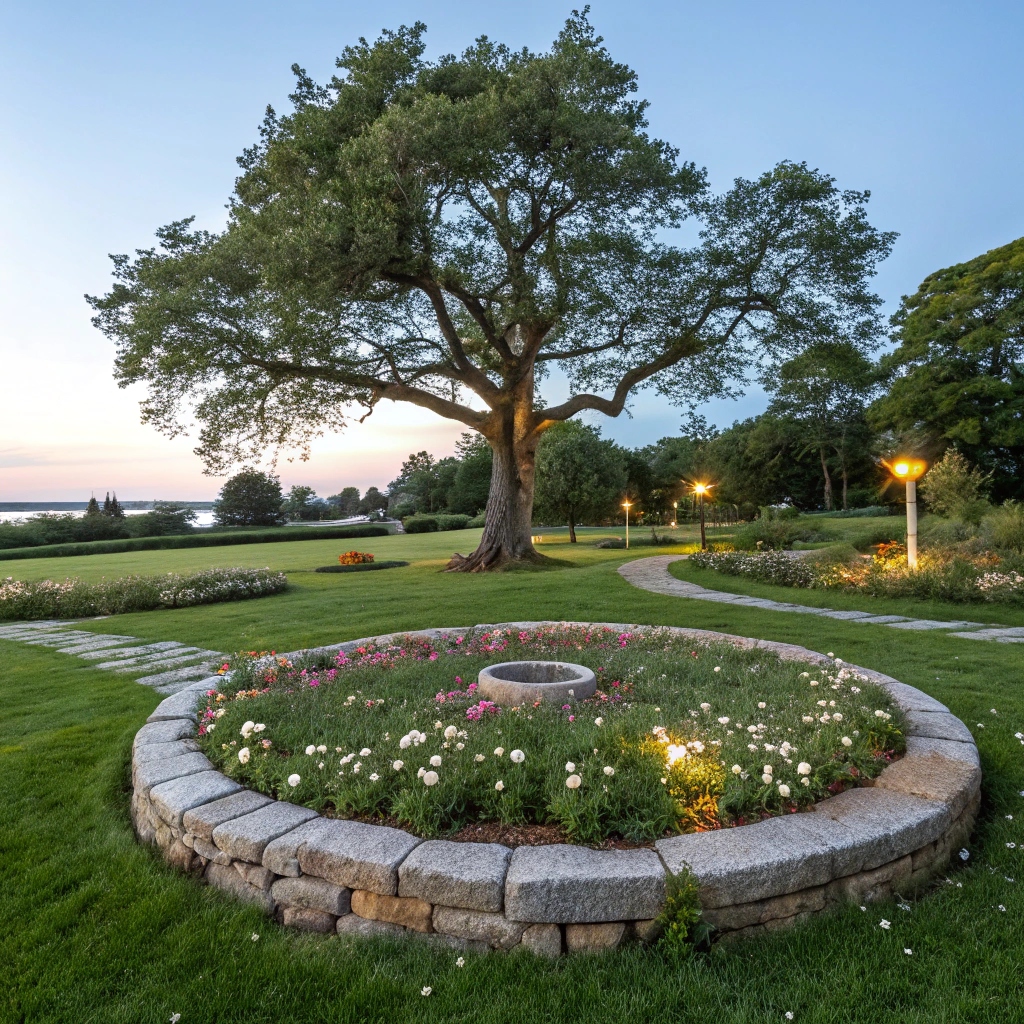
(355, 557)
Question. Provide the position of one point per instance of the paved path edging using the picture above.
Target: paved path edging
(352, 878)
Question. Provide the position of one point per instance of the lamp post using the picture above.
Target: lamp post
(626, 505)
(675, 514)
(700, 490)
(910, 470)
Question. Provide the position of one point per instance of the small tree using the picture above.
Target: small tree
(93, 509)
(579, 475)
(956, 489)
(301, 505)
(116, 511)
(346, 501)
(373, 502)
(825, 391)
(249, 498)
(469, 492)
(447, 233)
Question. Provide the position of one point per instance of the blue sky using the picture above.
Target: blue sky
(120, 117)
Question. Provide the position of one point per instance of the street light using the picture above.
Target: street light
(700, 490)
(910, 470)
(675, 514)
(627, 505)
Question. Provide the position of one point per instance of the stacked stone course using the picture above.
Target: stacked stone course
(351, 878)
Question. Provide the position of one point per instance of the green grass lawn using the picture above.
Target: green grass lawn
(94, 927)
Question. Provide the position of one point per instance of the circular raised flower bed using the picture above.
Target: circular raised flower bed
(351, 876)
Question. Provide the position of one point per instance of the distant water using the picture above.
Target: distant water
(202, 518)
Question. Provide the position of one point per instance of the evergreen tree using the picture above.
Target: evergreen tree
(116, 511)
(93, 508)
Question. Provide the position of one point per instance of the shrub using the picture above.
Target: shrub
(206, 539)
(74, 598)
(478, 521)
(869, 512)
(420, 524)
(361, 566)
(1003, 528)
(954, 489)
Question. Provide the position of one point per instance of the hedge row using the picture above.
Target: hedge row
(434, 524)
(194, 540)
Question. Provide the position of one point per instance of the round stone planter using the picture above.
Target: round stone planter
(523, 682)
(352, 878)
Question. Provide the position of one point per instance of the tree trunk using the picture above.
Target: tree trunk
(572, 528)
(845, 486)
(506, 537)
(828, 481)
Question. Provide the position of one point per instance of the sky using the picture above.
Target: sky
(120, 117)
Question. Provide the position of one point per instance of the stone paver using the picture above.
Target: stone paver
(172, 799)
(357, 855)
(245, 838)
(652, 574)
(469, 875)
(578, 885)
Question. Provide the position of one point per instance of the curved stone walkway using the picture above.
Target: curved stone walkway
(652, 574)
(167, 665)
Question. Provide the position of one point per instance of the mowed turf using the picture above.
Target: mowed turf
(94, 927)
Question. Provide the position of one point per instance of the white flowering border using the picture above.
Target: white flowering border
(857, 846)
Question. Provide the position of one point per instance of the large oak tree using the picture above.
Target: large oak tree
(444, 233)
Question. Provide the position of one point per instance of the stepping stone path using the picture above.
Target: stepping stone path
(652, 574)
(167, 665)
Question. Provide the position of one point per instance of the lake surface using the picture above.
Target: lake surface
(202, 518)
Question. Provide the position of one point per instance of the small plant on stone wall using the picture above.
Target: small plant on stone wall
(683, 928)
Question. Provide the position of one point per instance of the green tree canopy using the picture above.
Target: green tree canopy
(249, 498)
(579, 475)
(958, 373)
(444, 233)
(825, 391)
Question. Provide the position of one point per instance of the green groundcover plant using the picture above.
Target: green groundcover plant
(680, 736)
(75, 598)
(944, 575)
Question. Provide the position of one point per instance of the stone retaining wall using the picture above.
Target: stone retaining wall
(352, 878)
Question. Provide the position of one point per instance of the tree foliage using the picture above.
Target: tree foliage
(580, 477)
(444, 233)
(958, 371)
(249, 498)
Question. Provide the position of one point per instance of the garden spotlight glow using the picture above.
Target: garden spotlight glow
(627, 505)
(700, 490)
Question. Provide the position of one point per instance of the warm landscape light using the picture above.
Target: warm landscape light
(701, 488)
(908, 469)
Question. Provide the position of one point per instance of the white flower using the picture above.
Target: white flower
(221, 712)
(258, 727)
(807, 719)
(243, 755)
(518, 756)
(752, 747)
(294, 780)
(881, 714)
(320, 765)
(311, 750)
(788, 1015)
(398, 765)
(405, 742)
(736, 769)
(569, 766)
(768, 769)
(460, 746)
(426, 990)
(830, 654)
(723, 721)
(374, 777)
(836, 716)
(451, 732)
(246, 729)
(909, 952)
(598, 721)
(321, 749)
(767, 779)
(884, 924)
(421, 772)
(175, 1017)
(705, 707)
(356, 767)
(609, 770)
(498, 751)
(499, 785)
(718, 668)
(478, 758)
(430, 778)
(435, 761)
(461, 962)
(751, 729)
(365, 752)
(573, 782)
(783, 790)
(846, 741)
(803, 768)
(805, 782)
